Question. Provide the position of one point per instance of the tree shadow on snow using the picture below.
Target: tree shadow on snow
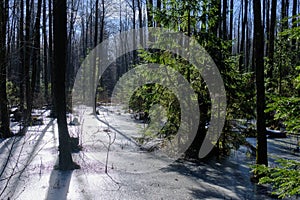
(59, 184)
(216, 178)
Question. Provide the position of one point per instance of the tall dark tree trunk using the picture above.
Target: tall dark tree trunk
(51, 58)
(60, 61)
(261, 154)
(294, 21)
(21, 65)
(247, 49)
(69, 52)
(102, 30)
(159, 8)
(133, 14)
(264, 12)
(215, 29)
(267, 24)
(134, 53)
(194, 149)
(94, 64)
(231, 21)
(36, 68)
(285, 24)
(238, 32)
(27, 61)
(248, 41)
(102, 24)
(284, 14)
(242, 50)
(71, 61)
(149, 4)
(204, 19)
(224, 18)
(5, 123)
(140, 20)
(46, 76)
(272, 40)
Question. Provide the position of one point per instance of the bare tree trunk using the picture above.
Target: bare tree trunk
(285, 24)
(60, 59)
(21, 41)
(158, 8)
(248, 41)
(242, 50)
(219, 22)
(264, 12)
(231, 21)
(102, 30)
(140, 21)
(225, 19)
(284, 14)
(71, 62)
(294, 20)
(215, 29)
(267, 24)
(35, 77)
(94, 62)
(5, 123)
(46, 80)
(272, 39)
(27, 61)
(11, 44)
(51, 58)
(193, 150)
(149, 4)
(134, 54)
(238, 31)
(261, 152)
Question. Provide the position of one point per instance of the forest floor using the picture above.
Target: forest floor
(131, 173)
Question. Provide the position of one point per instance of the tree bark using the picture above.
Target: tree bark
(284, 14)
(94, 62)
(242, 50)
(46, 80)
(51, 58)
(5, 122)
(267, 24)
(35, 77)
(225, 19)
(193, 150)
(261, 153)
(149, 4)
(134, 53)
(294, 20)
(231, 21)
(159, 8)
(21, 65)
(27, 61)
(272, 40)
(102, 22)
(60, 60)
(140, 20)
(238, 31)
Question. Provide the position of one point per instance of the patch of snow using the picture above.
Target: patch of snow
(132, 173)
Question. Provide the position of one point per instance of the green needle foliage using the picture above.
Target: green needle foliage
(284, 178)
(284, 93)
(183, 15)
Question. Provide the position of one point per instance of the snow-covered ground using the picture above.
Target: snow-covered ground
(280, 148)
(132, 173)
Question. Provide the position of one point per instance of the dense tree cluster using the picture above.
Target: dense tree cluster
(255, 45)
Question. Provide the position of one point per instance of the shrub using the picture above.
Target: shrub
(284, 178)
